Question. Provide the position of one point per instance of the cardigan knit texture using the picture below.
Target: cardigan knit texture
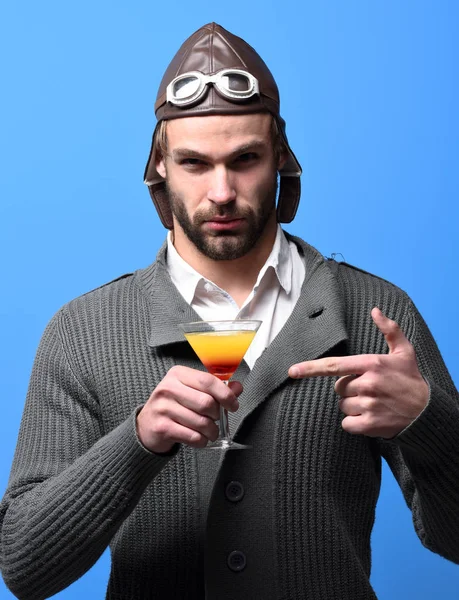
(296, 521)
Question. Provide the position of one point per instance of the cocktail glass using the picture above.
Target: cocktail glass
(220, 346)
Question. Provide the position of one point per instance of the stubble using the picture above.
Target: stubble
(225, 245)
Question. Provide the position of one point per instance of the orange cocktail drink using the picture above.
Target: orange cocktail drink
(221, 351)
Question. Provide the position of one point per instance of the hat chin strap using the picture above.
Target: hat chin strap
(287, 205)
(289, 198)
(160, 199)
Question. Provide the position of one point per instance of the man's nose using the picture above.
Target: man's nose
(221, 190)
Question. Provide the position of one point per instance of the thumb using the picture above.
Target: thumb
(394, 336)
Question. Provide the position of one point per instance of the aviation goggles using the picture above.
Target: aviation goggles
(234, 84)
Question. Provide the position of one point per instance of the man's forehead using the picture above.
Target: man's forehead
(225, 128)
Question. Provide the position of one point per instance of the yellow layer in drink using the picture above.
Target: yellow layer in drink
(221, 351)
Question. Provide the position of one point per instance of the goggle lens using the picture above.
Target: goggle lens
(236, 83)
(186, 87)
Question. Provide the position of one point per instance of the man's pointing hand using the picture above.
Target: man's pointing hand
(380, 394)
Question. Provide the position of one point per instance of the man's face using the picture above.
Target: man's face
(221, 176)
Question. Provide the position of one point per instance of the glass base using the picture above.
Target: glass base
(225, 444)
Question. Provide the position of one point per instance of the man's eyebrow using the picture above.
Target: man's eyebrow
(250, 147)
(181, 153)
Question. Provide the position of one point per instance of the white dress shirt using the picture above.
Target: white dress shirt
(271, 301)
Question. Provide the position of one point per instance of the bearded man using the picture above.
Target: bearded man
(342, 373)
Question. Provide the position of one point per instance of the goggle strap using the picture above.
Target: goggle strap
(160, 101)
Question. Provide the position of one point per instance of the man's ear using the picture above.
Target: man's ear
(282, 160)
(160, 165)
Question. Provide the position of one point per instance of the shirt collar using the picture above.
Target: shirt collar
(280, 260)
(186, 279)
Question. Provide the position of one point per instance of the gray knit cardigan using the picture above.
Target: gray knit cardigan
(296, 520)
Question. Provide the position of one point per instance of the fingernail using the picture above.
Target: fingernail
(294, 372)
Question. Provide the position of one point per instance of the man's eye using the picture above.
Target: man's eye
(191, 162)
(247, 157)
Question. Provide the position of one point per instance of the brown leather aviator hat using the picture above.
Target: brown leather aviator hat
(217, 73)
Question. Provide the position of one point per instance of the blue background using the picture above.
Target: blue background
(370, 94)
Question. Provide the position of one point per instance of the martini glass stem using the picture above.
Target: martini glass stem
(224, 425)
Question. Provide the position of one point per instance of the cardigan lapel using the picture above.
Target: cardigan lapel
(167, 306)
(316, 325)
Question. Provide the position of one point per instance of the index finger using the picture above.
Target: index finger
(207, 383)
(333, 366)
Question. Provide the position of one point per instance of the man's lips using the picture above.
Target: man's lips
(223, 223)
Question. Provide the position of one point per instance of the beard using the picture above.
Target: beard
(226, 245)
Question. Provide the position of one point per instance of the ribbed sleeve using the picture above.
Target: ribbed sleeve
(424, 457)
(71, 487)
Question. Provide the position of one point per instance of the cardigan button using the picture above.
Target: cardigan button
(237, 560)
(234, 491)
